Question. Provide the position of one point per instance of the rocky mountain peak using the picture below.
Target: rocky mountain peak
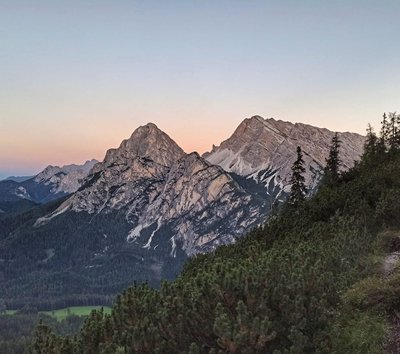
(250, 146)
(254, 119)
(147, 142)
(264, 149)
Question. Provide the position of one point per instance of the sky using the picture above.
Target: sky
(78, 77)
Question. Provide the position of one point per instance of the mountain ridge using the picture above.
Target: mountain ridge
(52, 183)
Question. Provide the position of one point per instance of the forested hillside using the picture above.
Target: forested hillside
(305, 282)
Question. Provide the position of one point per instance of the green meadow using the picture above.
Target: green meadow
(65, 312)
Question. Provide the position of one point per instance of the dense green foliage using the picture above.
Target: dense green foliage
(16, 330)
(287, 287)
(332, 168)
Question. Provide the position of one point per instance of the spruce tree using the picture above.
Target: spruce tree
(371, 143)
(331, 171)
(393, 132)
(298, 189)
(397, 130)
(384, 134)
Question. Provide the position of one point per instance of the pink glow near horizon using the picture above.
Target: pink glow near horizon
(29, 153)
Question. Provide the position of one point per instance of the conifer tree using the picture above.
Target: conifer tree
(393, 131)
(331, 172)
(384, 134)
(371, 143)
(298, 189)
(44, 341)
(390, 132)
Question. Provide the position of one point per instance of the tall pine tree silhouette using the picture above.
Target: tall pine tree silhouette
(371, 142)
(298, 189)
(331, 171)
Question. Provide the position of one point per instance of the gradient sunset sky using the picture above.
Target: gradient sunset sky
(77, 77)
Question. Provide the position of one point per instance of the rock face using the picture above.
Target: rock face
(164, 192)
(265, 149)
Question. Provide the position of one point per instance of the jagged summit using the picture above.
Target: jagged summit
(147, 141)
(255, 118)
(249, 147)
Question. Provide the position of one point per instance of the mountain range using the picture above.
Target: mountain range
(19, 194)
(148, 206)
(50, 184)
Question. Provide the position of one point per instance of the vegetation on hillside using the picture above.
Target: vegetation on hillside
(16, 329)
(305, 282)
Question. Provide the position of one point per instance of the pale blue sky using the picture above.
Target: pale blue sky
(76, 77)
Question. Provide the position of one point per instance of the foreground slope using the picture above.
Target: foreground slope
(279, 290)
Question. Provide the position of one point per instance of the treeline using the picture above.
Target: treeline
(282, 288)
